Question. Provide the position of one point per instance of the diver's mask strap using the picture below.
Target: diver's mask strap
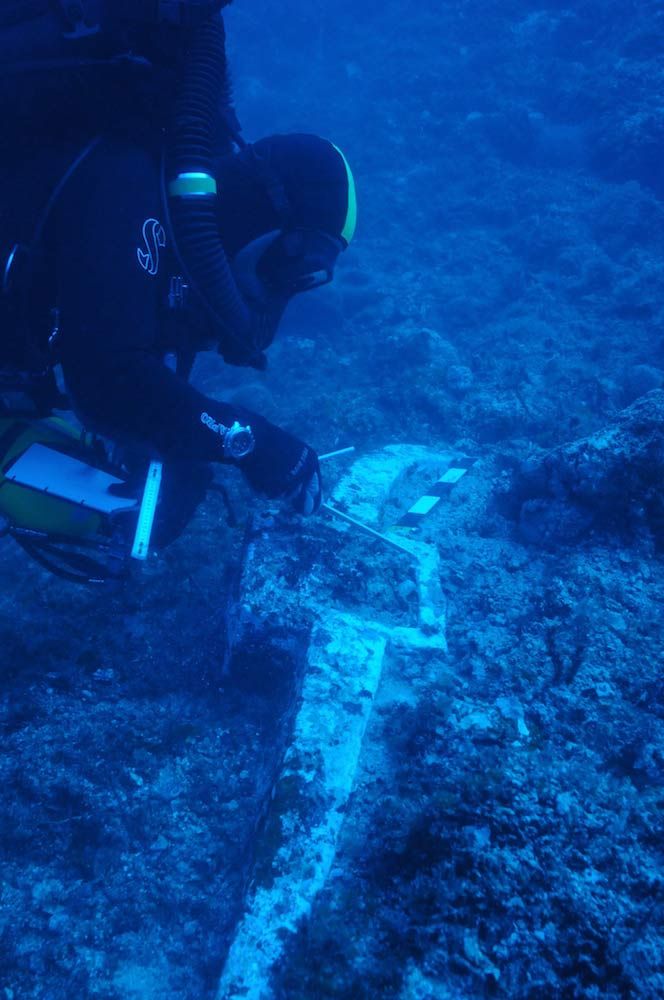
(268, 178)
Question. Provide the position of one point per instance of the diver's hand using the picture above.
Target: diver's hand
(307, 497)
(282, 465)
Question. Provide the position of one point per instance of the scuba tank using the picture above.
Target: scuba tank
(71, 68)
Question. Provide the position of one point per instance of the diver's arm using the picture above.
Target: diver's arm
(131, 396)
(134, 397)
(110, 293)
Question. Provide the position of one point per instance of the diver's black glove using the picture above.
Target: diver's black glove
(283, 466)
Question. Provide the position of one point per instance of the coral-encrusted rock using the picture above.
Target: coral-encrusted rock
(627, 148)
(612, 480)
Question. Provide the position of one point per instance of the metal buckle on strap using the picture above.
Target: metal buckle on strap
(73, 11)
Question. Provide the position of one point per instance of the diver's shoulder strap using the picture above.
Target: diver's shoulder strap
(77, 18)
(24, 275)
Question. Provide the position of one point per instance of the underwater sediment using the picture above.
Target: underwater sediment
(489, 823)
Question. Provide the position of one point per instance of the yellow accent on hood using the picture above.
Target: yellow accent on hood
(350, 224)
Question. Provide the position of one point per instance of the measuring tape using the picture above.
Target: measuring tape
(143, 534)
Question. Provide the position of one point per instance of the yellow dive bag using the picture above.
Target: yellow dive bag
(67, 505)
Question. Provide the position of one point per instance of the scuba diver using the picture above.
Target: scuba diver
(160, 234)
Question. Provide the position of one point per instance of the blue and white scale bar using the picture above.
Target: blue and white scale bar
(442, 488)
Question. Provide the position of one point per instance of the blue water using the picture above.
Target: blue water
(471, 805)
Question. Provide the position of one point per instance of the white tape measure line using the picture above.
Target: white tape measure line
(143, 534)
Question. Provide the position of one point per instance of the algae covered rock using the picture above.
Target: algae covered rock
(609, 481)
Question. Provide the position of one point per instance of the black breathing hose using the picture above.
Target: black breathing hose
(204, 94)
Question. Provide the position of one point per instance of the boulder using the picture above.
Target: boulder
(609, 481)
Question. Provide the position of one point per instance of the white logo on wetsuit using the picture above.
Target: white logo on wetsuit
(155, 237)
(212, 424)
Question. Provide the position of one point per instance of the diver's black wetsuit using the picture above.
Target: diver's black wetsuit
(110, 248)
(115, 261)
